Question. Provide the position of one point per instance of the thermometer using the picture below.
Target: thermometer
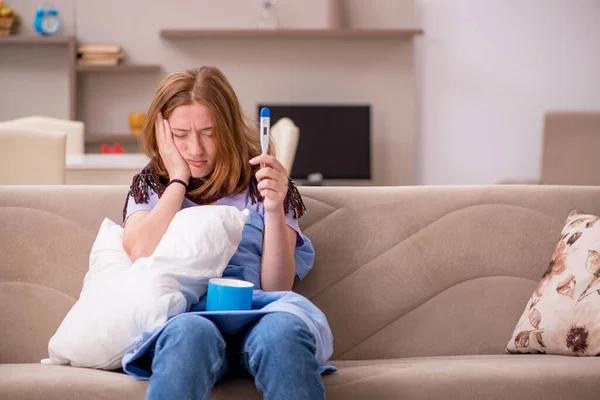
(265, 126)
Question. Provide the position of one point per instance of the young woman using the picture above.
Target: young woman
(203, 151)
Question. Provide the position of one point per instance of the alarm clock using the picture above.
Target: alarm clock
(46, 21)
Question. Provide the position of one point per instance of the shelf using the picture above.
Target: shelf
(110, 138)
(37, 40)
(289, 33)
(119, 68)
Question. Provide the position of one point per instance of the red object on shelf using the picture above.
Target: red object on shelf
(114, 149)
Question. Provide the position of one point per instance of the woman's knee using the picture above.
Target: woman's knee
(283, 331)
(192, 328)
(283, 322)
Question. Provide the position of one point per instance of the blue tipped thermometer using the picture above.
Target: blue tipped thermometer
(265, 126)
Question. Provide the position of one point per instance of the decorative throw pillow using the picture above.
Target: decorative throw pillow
(563, 314)
(122, 302)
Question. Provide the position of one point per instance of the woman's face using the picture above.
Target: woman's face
(192, 128)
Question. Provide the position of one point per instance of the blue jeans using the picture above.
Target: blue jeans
(191, 355)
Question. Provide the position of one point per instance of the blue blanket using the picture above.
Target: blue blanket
(245, 264)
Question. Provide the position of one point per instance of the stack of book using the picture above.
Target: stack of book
(99, 54)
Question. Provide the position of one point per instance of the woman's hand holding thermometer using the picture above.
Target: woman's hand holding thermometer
(272, 177)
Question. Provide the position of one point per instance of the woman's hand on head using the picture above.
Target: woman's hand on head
(272, 182)
(172, 159)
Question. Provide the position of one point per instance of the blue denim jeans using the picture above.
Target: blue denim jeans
(190, 356)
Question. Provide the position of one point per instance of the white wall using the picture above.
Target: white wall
(488, 70)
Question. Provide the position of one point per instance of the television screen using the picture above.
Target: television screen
(334, 139)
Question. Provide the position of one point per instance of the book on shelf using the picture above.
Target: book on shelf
(99, 55)
(99, 62)
(102, 48)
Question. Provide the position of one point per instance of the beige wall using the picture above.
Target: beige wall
(378, 72)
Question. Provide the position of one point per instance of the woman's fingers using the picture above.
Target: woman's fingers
(271, 161)
(164, 137)
(159, 127)
(273, 185)
(168, 133)
(269, 173)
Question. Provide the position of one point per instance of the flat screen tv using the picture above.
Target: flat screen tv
(335, 140)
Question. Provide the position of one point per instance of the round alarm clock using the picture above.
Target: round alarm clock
(46, 21)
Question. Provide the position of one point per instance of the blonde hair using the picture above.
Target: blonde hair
(237, 137)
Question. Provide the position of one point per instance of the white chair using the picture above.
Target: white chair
(32, 157)
(75, 130)
(285, 136)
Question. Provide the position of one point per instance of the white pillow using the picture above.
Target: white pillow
(123, 303)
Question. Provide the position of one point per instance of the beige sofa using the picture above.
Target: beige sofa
(422, 287)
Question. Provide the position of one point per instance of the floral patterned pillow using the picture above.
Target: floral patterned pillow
(563, 314)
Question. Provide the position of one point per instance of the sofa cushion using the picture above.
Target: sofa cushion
(563, 314)
(37, 381)
(54, 382)
(532, 376)
(453, 377)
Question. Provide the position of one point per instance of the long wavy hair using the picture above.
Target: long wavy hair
(237, 137)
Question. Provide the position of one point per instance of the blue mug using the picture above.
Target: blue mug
(226, 294)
